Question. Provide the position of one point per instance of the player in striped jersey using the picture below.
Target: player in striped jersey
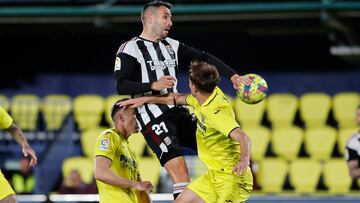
(353, 151)
(6, 122)
(222, 145)
(148, 65)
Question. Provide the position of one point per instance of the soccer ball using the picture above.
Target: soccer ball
(255, 92)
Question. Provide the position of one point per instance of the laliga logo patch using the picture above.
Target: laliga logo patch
(104, 144)
(117, 64)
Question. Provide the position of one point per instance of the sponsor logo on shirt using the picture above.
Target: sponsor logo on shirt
(161, 65)
(104, 144)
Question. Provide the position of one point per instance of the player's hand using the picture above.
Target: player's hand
(237, 80)
(144, 186)
(165, 81)
(241, 167)
(27, 150)
(132, 103)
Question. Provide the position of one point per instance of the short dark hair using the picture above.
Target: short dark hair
(115, 108)
(157, 4)
(204, 76)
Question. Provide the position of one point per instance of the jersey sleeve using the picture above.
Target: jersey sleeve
(191, 100)
(352, 148)
(222, 120)
(5, 119)
(187, 54)
(105, 145)
(127, 75)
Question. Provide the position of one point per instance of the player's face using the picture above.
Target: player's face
(130, 121)
(162, 22)
(358, 116)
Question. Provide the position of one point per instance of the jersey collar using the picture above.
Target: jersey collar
(212, 97)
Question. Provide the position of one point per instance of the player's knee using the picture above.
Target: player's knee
(9, 199)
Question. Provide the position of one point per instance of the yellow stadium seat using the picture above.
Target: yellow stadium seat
(304, 175)
(336, 176)
(344, 135)
(281, 109)
(25, 111)
(109, 102)
(84, 165)
(88, 140)
(344, 108)
(4, 102)
(137, 143)
(260, 138)
(88, 110)
(314, 109)
(249, 115)
(272, 174)
(319, 142)
(286, 142)
(55, 108)
(150, 170)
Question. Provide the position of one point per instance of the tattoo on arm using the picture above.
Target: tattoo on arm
(17, 134)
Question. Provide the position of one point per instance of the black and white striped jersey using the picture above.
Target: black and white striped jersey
(140, 62)
(353, 148)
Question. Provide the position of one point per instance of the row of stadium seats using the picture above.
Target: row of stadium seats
(87, 109)
(304, 175)
(314, 109)
(318, 143)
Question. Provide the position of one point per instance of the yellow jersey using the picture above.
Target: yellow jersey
(5, 119)
(216, 119)
(111, 144)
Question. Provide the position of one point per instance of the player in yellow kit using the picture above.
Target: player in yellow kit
(222, 145)
(116, 166)
(6, 122)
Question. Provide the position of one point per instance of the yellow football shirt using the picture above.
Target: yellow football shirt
(112, 145)
(5, 119)
(216, 119)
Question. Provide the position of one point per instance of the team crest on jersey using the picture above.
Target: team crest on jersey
(104, 144)
(170, 50)
(117, 64)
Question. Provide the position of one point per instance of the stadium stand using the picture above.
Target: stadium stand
(4, 102)
(25, 111)
(281, 109)
(305, 175)
(286, 142)
(272, 174)
(336, 176)
(249, 116)
(314, 109)
(260, 138)
(320, 142)
(344, 106)
(55, 108)
(88, 110)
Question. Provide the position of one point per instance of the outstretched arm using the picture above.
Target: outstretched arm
(105, 175)
(190, 53)
(241, 137)
(18, 135)
(172, 98)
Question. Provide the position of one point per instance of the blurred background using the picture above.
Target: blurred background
(56, 80)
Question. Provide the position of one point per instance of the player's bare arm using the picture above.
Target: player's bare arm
(354, 169)
(172, 98)
(18, 135)
(241, 137)
(237, 80)
(142, 196)
(104, 174)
